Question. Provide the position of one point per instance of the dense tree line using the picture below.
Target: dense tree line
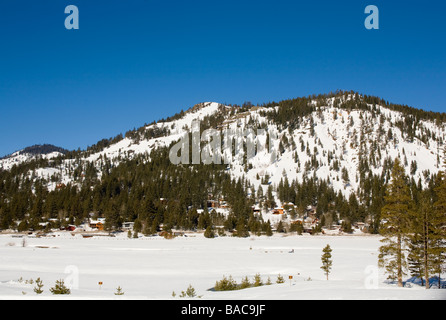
(148, 190)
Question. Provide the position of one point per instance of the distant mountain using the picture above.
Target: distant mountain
(42, 149)
(30, 153)
(38, 149)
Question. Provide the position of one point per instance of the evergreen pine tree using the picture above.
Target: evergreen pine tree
(395, 225)
(60, 288)
(242, 231)
(426, 240)
(326, 260)
(267, 228)
(415, 257)
(39, 286)
(280, 227)
(245, 283)
(257, 280)
(119, 291)
(209, 232)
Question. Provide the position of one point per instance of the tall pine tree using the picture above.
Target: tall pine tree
(395, 224)
(326, 260)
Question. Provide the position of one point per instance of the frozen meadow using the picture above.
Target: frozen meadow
(154, 267)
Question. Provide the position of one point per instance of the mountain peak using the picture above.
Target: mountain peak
(47, 151)
(42, 149)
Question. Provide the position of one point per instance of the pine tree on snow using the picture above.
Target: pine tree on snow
(395, 224)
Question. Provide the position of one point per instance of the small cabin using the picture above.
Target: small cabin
(212, 204)
(60, 186)
(97, 225)
(224, 205)
(297, 222)
(256, 209)
(288, 206)
(128, 225)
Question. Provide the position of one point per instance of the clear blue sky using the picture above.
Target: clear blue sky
(135, 61)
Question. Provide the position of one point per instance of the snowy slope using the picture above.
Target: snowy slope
(334, 138)
(335, 134)
(20, 157)
(176, 128)
(154, 268)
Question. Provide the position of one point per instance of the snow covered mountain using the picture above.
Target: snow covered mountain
(45, 151)
(335, 140)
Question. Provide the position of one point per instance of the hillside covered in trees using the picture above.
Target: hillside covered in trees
(335, 155)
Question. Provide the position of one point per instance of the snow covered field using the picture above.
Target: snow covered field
(153, 268)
